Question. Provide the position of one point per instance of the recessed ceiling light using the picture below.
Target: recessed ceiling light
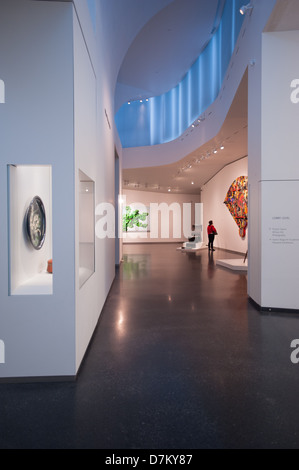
(192, 182)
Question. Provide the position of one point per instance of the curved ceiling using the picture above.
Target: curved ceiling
(156, 61)
(166, 47)
(192, 172)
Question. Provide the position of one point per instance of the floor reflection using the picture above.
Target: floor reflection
(136, 266)
(180, 360)
(211, 264)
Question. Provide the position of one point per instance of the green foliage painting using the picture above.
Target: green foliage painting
(132, 218)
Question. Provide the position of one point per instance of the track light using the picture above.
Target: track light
(246, 8)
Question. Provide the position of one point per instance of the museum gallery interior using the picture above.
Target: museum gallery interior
(126, 126)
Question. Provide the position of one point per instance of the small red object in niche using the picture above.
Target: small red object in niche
(50, 266)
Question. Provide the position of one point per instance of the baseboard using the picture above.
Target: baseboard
(230, 251)
(272, 309)
(27, 380)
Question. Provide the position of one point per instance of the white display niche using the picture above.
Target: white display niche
(86, 228)
(28, 257)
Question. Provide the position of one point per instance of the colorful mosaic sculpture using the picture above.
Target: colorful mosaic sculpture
(237, 203)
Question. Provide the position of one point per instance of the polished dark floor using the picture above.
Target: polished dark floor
(180, 360)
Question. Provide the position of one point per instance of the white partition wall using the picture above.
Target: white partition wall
(280, 170)
(54, 140)
(86, 177)
(36, 134)
(274, 173)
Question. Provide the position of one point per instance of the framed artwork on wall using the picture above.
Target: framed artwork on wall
(236, 201)
(136, 219)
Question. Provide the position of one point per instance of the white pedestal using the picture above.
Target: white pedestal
(192, 246)
(234, 264)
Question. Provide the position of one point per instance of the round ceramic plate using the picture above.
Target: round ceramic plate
(36, 223)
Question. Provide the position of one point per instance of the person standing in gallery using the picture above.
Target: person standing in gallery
(211, 234)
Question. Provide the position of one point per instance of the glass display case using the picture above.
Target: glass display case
(30, 229)
(86, 228)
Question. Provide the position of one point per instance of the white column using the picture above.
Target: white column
(274, 248)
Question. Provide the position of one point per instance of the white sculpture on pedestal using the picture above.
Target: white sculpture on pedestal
(197, 243)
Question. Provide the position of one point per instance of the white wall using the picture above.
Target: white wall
(58, 112)
(213, 196)
(36, 128)
(94, 155)
(148, 197)
(279, 183)
(85, 121)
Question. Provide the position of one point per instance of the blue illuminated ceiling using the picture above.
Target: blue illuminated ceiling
(165, 117)
(166, 47)
(92, 9)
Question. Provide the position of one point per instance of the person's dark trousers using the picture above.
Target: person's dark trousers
(211, 241)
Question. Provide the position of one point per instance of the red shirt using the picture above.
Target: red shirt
(211, 229)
